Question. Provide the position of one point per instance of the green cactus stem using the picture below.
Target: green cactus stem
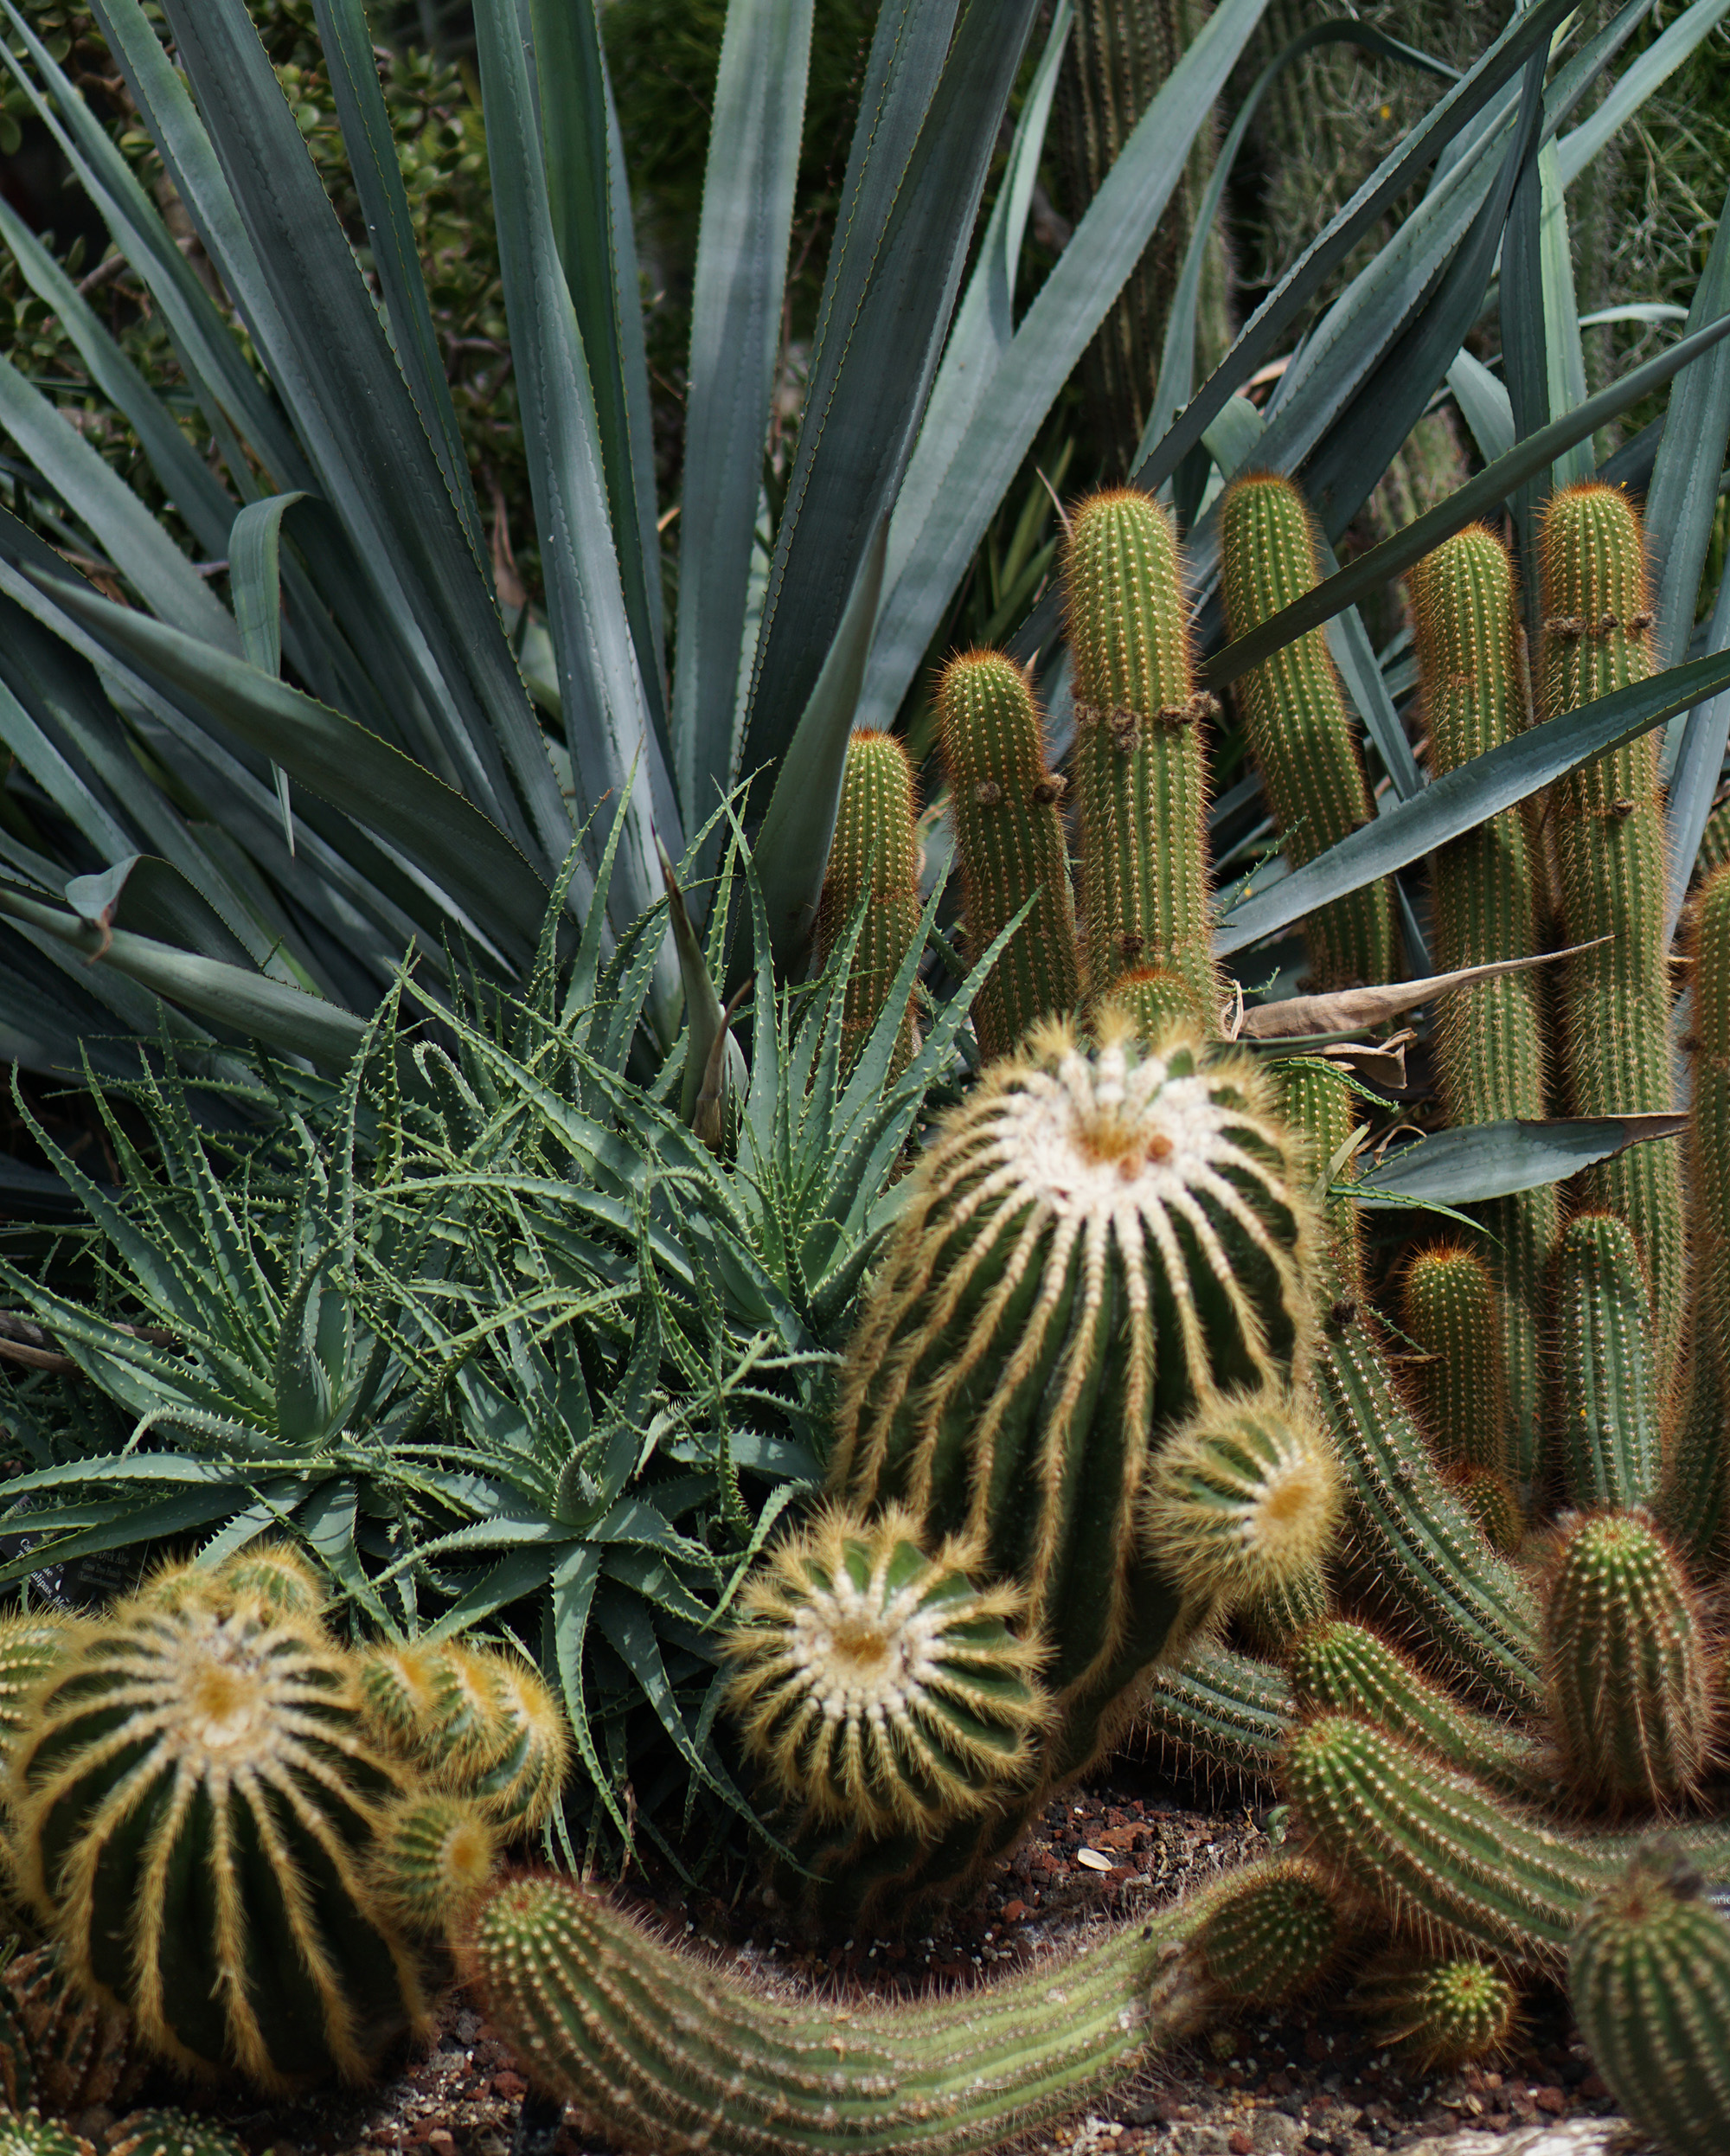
(1693, 1501)
(1299, 732)
(1344, 1668)
(1708, 1137)
(191, 1801)
(1489, 1500)
(1273, 1932)
(1004, 803)
(1412, 1547)
(875, 1685)
(1608, 823)
(1440, 2013)
(432, 1859)
(1213, 1711)
(1649, 1980)
(282, 1579)
(171, 2134)
(1096, 1241)
(1607, 1438)
(77, 2051)
(1271, 1619)
(1490, 898)
(1155, 1001)
(31, 2135)
(1242, 1502)
(872, 863)
(1323, 1111)
(1141, 773)
(1632, 1703)
(1450, 1311)
(30, 1644)
(667, 2055)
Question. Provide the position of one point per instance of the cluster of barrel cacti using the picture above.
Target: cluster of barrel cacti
(246, 1847)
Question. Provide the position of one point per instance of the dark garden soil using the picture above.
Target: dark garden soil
(1304, 2082)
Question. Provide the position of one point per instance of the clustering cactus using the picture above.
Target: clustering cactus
(873, 866)
(1299, 733)
(239, 1864)
(1650, 1980)
(1004, 805)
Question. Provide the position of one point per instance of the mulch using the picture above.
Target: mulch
(1302, 2083)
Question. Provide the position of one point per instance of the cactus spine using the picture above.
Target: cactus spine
(1141, 776)
(872, 863)
(1631, 1701)
(1650, 1982)
(1008, 832)
(1487, 888)
(877, 1686)
(1299, 732)
(1450, 1311)
(1607, 1436)
(1608, 820)
(667, 2056)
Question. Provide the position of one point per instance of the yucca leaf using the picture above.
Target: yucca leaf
(1645, 73)
(255, 580)
(747, 207)
(1463, 798)
(1481, 494)
(1483, 405)
(1699, 767)
(1486, 1160)
(894, 269)
(1682, 500)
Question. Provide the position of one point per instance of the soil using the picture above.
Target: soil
(1302, 2083)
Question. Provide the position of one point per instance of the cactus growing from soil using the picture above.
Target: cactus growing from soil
(1273, 1932)
(1649, 1979)
(1441, 2013)
(1005, 803)
(873, 866)
(1299, 733)
(1141, 772)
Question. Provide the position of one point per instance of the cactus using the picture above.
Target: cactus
(1489, 895)
(1607, 1412)
(30, 1644)
(1155, 1002)
(1692, 1504)
(1709, 1121)
(432, 1856)
(1140, 775)
(1008, 833)
(1440, 2013)
(194, 1782)
(1489, 1500)
(1649, 1980)
(1632, 1699)
(1322, 1109)
(875, 1685)
(1272, 1618)
(1450, 1311)
(63, 2048)
(27, 2133)
(666, 2055)
(1343, 1668)
(1608, 821)
(171, 2134)
(1217, 1713)
(873, 865)
(1300, 735)
(1271, 1932)
(1096, 1241)
(282, 1579)
(517, 1779)
(1243, 1501)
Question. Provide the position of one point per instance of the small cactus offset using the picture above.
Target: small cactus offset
(1608, 824)
(1450, 1311)
(1649, 1980)
(1440, 2013)
(667, 2055)
(30, 1644)
(432, 1859)
(1632, 1699)
(29, 2134)
(1141, 773)
(1490, 889)
(1607, 1438)
(1299, 731)
(872, 863)
(1489, 1500)
(877, 1687)
(1271, 1932)
(1004, 803)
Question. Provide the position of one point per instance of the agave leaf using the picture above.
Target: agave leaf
(1484, 405)
(608, 723)
(1462, 800)
(1481, 494)
(747, 209)
(1489, 1160)
(1683, 499)
(123, 1525)
(707, 1035)
(255, 580)
(894, 269)
(1350, 1010)
(1645, 73)
(1699, 767)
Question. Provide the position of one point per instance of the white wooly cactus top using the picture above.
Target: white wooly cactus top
(878, 1687)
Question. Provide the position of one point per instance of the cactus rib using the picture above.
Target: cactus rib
(1606, 1434)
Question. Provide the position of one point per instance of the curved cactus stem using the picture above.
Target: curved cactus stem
(873, 865)
(1220, 1712)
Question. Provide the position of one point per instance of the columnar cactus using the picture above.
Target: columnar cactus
(1632, 1699)
(1004, 805)
(1609, 827)
(1650, 1982)
(872, 862)
(877, 1687)
(1698, 1502)
(1271, 1932)
(1299, 732)
(1450, 1311)
(1141, 773)
(1607, 1437)
(1489, 888)
(1324, 1115)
